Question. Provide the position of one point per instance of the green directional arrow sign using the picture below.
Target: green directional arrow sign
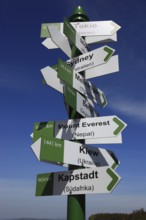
(109, 53)
(115, 179)
(120, 124)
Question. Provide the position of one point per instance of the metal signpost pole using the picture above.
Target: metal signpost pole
(76, 203)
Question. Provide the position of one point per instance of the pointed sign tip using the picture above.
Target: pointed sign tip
(121, 125)
(115, 179)
(116, 27)
(36, 148)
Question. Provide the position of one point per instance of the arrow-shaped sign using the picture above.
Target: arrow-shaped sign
(96, 28)
(89, 28)
(84, 128)
(79, 103)
(74, 37)
(91, 59)
(79, 129)
(46, 129)
(120, 125)
(78, 82)
(59, 39)
(50, 76)
(100, 38)
(62, 152)
(110, 67)
(109, 140)
(81, 181)
(89, 40)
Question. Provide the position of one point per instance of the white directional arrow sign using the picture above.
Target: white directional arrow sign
(62, 152)
(91, 59)
(82, 105)
(84, 128)
(89, 28)
(78, 82)
(79, 129)
(48, 43)
(59, 39)
(110, 67)
(46, 129)
(81, 181)
(50, 76)
(100, 38)
(89, 40)
(109, 140)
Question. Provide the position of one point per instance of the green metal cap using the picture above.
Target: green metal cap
(78, 15)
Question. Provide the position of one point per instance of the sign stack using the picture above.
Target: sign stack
(55, 141)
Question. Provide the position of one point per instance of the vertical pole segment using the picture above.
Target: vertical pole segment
(76, 207)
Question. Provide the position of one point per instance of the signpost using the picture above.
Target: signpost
(63, 152)
(74, 182)
(91, 169)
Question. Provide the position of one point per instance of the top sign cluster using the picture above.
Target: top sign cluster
(79, 93)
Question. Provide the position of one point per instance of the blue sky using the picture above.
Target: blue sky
(25, 100)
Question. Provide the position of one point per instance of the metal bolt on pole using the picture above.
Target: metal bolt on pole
(76, 207)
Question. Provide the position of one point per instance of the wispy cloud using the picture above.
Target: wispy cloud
(13, 81)
(131, 108)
